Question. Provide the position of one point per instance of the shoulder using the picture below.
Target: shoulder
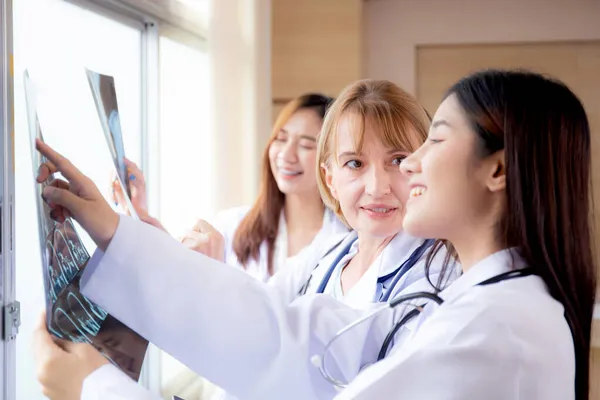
(309, 262)
(327, 252)
(321, 250)
(520, 308)
(332, 224)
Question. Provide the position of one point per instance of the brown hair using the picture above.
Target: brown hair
(544, 131)
(403, 124)
(262, 221)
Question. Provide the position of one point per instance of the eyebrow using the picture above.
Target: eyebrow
(440, 122)
(348, 154)
(312, 139)
(305, 137)
(396, 151)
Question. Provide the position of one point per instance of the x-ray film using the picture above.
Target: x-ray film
(69, 314)
(105, 97)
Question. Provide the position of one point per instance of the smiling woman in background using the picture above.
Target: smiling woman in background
(288, 213)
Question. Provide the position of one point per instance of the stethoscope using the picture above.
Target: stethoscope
(319, 362)
(397, 274)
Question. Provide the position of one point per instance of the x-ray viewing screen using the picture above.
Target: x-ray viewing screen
(69, 314)
(105, 97)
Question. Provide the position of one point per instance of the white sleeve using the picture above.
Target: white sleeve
(289, 280)
(109, 383)
(222, 323)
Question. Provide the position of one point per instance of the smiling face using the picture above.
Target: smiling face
(454, 189)
(366, 180)
(292, 153)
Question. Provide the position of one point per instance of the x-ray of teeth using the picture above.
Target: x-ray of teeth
(69, 314)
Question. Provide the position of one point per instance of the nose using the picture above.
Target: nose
(289, 152)
(411, 164)
(378, 182)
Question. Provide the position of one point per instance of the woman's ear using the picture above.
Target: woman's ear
(326, 168)
(497, 177)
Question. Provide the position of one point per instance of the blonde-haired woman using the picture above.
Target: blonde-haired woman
(288, 212)
(369, 130)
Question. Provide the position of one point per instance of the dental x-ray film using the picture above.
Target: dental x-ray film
(105, 97)
(69, 314)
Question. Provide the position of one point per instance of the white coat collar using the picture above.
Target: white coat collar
(398, 250)
(495, 264)
(394, 254)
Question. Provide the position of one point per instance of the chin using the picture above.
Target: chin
(291, 189)
(285, 187)
(417, 227)
(385, 231)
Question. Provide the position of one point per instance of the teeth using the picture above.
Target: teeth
(417, 191)
(288, 172)
(380, 210)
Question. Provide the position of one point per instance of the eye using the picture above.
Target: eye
(398, 160)
(353, 164)
(432, 140)
(307, 145)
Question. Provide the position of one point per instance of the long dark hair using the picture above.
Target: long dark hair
(544, 131)
(262, 221)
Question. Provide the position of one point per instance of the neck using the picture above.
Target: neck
(474, 248)
(303, 213)
(369, 248)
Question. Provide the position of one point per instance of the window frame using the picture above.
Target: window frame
(7, 193)
(149, 19)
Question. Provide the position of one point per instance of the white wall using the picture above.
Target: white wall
(240, 36)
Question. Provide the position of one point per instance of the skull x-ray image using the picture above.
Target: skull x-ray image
(105, 97)
(69, 314)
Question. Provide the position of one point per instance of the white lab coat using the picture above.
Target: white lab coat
(504, 341)
(291, 281)
(227, 222)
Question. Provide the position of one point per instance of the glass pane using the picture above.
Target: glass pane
(55, 40)
(186, 149)
(186, 155)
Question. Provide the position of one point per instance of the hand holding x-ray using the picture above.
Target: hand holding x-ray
(70, 316)
(137, 190)
(78, 197)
